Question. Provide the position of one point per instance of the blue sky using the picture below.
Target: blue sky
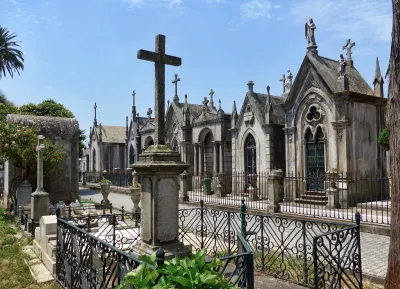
(81, 52)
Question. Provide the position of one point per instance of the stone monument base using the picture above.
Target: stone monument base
(171, 250)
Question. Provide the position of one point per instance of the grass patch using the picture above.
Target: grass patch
(87, 201)
(14, 271)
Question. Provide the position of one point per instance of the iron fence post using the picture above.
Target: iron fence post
(114, 220)
(88, 223)
(250, 271)
(69, 211)
(58, 212)
(305, 269)
(122, 213)
(358, 222)
(243, 218)
(315, 258)
(111, 208)
(160, 256)
(202, 223)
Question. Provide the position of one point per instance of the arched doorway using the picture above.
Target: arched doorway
(148, 142)
(208, 154)
(94, 161)
(250, 155)
(131, 155)
(315, 160)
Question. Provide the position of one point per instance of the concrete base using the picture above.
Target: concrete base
(49, 262)
(171, 250)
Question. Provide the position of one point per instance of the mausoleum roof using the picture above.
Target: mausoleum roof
(258, 101)
(112, 134)
(49, 125)
(328, 70)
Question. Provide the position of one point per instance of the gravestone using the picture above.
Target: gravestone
(24, 193)
(159, 167)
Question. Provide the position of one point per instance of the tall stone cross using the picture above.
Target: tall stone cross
(348, 47)
(283, 82)
(160, 59)
(175, 81)
(149, 112)
(205, 101)
(211, 94)
(39, 148)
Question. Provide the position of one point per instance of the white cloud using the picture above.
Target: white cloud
(172, 3)
(256, 9)
(358, 20)
(135, 4)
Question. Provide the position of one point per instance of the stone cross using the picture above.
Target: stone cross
(39, 148)
(211, 94)
(133, 97)
(160, 59)
(348, 47)
(149, 112)
(283, 79)
(175, 81)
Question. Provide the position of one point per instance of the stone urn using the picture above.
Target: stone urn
(135, 197)
(105, 191)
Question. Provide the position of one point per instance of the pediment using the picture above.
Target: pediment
(149, 125)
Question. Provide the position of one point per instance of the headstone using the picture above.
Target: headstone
(159, 167)
(24, 194)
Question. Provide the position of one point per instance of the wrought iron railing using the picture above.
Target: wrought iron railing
(118, 179)
(337, 258)
(282, 247)
(86, 261)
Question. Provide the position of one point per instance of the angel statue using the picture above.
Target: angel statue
(342, 63)
(309, 31)
(288, 81)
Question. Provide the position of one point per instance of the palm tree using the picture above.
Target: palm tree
(11, 58)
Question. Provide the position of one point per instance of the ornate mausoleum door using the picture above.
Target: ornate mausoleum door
(315, 160)
(250, 158)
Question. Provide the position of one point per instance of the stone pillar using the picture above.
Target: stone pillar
(40, 199)
(215, 157)
(201, 159)
(274, 190)
(196, 159)
(221, 157)
(183, 196)
(159, 168)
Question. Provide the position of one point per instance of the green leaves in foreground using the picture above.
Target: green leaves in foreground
(191, 272)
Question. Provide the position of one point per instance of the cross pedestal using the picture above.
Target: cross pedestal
(160, 167)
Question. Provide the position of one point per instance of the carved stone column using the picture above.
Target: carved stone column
(215, 156)
(196, 158)
(201, 159)
(221, 157)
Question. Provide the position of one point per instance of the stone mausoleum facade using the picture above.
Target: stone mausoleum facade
(327, 120)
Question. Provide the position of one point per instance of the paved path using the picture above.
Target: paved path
(374, 247)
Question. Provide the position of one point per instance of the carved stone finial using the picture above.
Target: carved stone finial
(185, 98)
(250, 84)
(205, 101)
(149, 112)
(219, 105)
(268, 89)
(288, 81)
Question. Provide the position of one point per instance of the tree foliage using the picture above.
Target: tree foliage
(11, 58)
(46, 108)
(384, 137)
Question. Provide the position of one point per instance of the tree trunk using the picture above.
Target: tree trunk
(393, 273)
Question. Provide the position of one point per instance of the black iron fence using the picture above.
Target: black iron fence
(86, 261)
(118, 179)
(230, 189)
(330, 195)
(282, 247)
(341, 196)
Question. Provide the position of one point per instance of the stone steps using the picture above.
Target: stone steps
(38, 271)
(315, 198)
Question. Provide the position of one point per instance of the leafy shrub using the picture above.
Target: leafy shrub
(105, 181)
(384, 137)
(191, 272)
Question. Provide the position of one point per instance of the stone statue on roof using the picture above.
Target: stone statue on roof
(342, 63)
(309, 31)
(288, 81)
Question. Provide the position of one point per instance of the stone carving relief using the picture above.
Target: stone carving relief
(314, 115)
(248, 115)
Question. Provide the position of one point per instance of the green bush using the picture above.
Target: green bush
(384, 137)
(191, 272)
(105, 181)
